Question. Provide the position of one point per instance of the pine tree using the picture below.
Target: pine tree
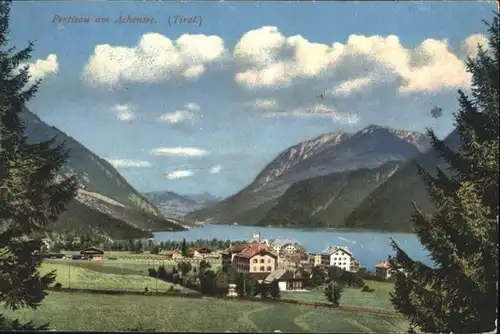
(333, 292)
(30, 196)
(459, 293)
(184, 249)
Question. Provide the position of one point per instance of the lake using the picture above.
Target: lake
(368, 247)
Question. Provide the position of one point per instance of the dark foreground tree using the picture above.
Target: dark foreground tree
(460, 293)
(263, 290)
(274, 289)
(246, 285)
(31, 197)
(184, 268)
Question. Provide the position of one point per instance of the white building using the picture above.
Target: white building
(341, 257)
(289, 248)
(281, 246)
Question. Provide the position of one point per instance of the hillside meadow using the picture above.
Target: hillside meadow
(74, 274)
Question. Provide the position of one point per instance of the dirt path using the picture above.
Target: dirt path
(246, 317)
(363, 329)
(300, 321)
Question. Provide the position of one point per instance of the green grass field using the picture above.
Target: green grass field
(94, 312)
(133, 275)
(379, 299)
(75, 274)
(133, 265)
(119, 267)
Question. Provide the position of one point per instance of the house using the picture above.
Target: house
(256, 258)
(173, 254)
(201, 252)
(288, 248)
(319, 259)
(286, 263)
(287, 279)
(279, 244)
(293, 260)
(299, 257)
(282, 246)
(92, 253)
(228, 254)
(340, 257)
(52, 255)
(382, 269)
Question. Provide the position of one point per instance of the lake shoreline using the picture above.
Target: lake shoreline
(368, 247)
(313, 229)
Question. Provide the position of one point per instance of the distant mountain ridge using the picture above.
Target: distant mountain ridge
(102, 189)
(203, 198)
(173, 204)
(334, 152)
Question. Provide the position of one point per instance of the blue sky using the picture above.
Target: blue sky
(193, 108)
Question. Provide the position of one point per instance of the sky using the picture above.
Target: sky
(204, 106)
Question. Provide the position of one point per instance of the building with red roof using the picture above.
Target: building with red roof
(256, 259)
(382, 269)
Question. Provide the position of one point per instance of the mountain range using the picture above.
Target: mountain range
(367, 179)
(105, 202)
(176, 205)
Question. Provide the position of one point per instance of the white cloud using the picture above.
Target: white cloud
(193, 106)
(42, 67)
(156, 58)
(264, 57)
(269, 59)
(289, 73)
(318, 110)
(351, 86)
(125, 163)
(176, 117)
(266, 104)
(470, 44)
(179, 151)
(124, 112)
(180, 174)
(215, 169)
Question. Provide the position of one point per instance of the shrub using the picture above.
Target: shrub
(152, 272)
(162, 273)
(366, 288)
(111, 258)
(57, 286)
(333, 292)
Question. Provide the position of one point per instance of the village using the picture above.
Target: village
(281, 260)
